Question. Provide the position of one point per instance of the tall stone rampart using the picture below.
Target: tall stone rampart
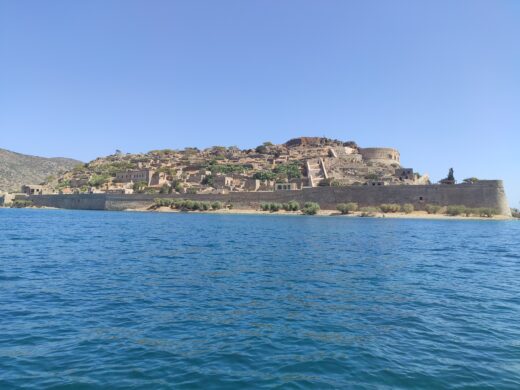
(485, 193)
(75, 202)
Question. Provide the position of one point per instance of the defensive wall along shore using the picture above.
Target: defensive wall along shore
(485, 193)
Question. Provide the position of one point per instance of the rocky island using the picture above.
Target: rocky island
(326, 172)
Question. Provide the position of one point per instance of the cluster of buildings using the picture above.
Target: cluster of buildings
(299, 163)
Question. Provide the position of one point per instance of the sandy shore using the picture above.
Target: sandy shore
(321, 213)
(327, 213)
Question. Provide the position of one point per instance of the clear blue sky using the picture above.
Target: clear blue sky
(439, 80)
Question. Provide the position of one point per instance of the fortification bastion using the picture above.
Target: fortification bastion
(381, 155)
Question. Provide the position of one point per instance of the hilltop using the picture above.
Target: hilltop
(298, 163)
(17, 169)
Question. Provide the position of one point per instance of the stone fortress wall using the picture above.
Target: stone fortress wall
(485, 193)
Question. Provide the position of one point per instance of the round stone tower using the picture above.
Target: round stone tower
(381, 155)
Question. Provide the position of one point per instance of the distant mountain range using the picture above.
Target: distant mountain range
(17, 169)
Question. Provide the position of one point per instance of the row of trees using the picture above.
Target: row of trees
(468, 211)
(189, 205)
(309, 208)
(347, 208)
(454, 210)
(312, 208)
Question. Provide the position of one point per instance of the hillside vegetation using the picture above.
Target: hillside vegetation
(17, 169)
(300, 162)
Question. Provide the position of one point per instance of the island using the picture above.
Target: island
(311, 172)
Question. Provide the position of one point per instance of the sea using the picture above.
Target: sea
(129, 300)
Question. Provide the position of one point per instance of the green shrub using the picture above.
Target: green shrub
(80, 168)
(177, 203)
(432, 208)
(98, 180)
(347, 208)
(373, 176)
(188, 205)
(165, 189)
(468, 212)
(208, 180)
(288, 170)
(262, 149)
(407, 208)
(274, 207)
(294, 205)
(470, 180)
(63, 184)
(291, 206)
(140, 186)
(390, 208)
(216, 205)
(264, 175)
(163, 202)
(204, 206)
(310, 208)
(487, 212)
(265, 206)
(455, 210)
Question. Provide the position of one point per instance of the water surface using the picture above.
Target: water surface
(94, 300)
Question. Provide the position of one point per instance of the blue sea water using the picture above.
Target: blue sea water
(100, 300)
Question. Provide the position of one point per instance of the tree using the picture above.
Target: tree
(140, 186)
(451, 177)
(208, 180)
(432, 208)
(291, 206)
(216, 205)
(346, 208)
(262, 149)
(165, 189)
(170, 171)
(288, 170)
(178, 187)
(310, 208)
(264, 175)
(407, 208)
(98, 180)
